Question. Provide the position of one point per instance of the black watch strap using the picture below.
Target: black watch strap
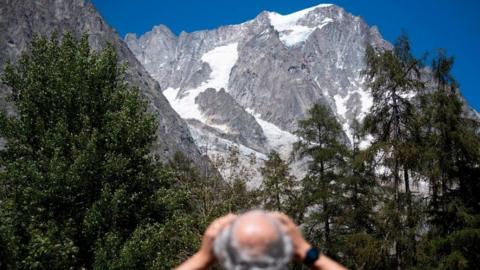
(312, 256)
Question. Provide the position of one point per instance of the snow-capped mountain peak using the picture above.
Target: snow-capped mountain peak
(249, 84)
(290, 27)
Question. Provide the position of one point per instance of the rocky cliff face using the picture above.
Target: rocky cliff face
(21, 20)
(272, 68)
(224, 113)
(245, 84)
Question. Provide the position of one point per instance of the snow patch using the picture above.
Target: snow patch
(277, 138)
(291, 32)
(366, 100)
(366, 142)
(221, 60)
(356, 94)
(184, 106)
(340, 104)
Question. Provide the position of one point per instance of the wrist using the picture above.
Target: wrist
(303, 248)
(202, 258)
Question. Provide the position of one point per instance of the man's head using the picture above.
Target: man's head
(253, 241)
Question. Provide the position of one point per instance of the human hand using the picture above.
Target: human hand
(300, 245)
(205, 257)
(213, 230)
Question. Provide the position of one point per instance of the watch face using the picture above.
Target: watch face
(311, 256)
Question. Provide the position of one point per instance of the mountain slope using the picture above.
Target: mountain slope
(269, 70)
(274, 67)
(20, 20)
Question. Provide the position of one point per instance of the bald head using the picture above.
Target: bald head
(255, 231)
(254, 239)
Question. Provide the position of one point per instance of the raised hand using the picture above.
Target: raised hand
(205, 257)
(300, 245)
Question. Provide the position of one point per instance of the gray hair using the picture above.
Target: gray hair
(234, 257)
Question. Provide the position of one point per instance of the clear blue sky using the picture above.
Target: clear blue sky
(431, 24)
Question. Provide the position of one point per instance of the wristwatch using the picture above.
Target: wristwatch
(311, 256)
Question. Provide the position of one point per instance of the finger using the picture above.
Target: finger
(282, 218)
(227, 219)
(283, 227)
(222, 222)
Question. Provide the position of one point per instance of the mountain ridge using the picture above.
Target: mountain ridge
(273, 66)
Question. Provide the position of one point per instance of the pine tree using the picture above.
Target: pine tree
(279, 189)
(451, 164)
(360, 185)
(361, 224)
(320, 142)
(393, 76)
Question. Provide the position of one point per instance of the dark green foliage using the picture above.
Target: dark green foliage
(429, 139)
(362, 230)
(393, 76)
(451, 144)
(78, 185)
(279, 190)
(321, 143)
(458, 249)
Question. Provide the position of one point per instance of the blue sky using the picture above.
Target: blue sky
(431, 24)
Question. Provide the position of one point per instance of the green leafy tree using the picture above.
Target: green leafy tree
(78, 186)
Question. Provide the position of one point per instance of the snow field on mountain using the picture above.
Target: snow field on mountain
(277, 139)
(221, 60)
(292, 33)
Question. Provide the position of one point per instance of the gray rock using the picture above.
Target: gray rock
(221, 109)
(277, 81)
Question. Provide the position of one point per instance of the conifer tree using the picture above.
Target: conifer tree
(360, 224)
(278, 191)
(451, 164)
(320, 142)
(361, 186)
(393, 76)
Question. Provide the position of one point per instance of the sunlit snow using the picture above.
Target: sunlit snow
(221, 60)
(290, 31)
(340, 104)
(277, 138)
